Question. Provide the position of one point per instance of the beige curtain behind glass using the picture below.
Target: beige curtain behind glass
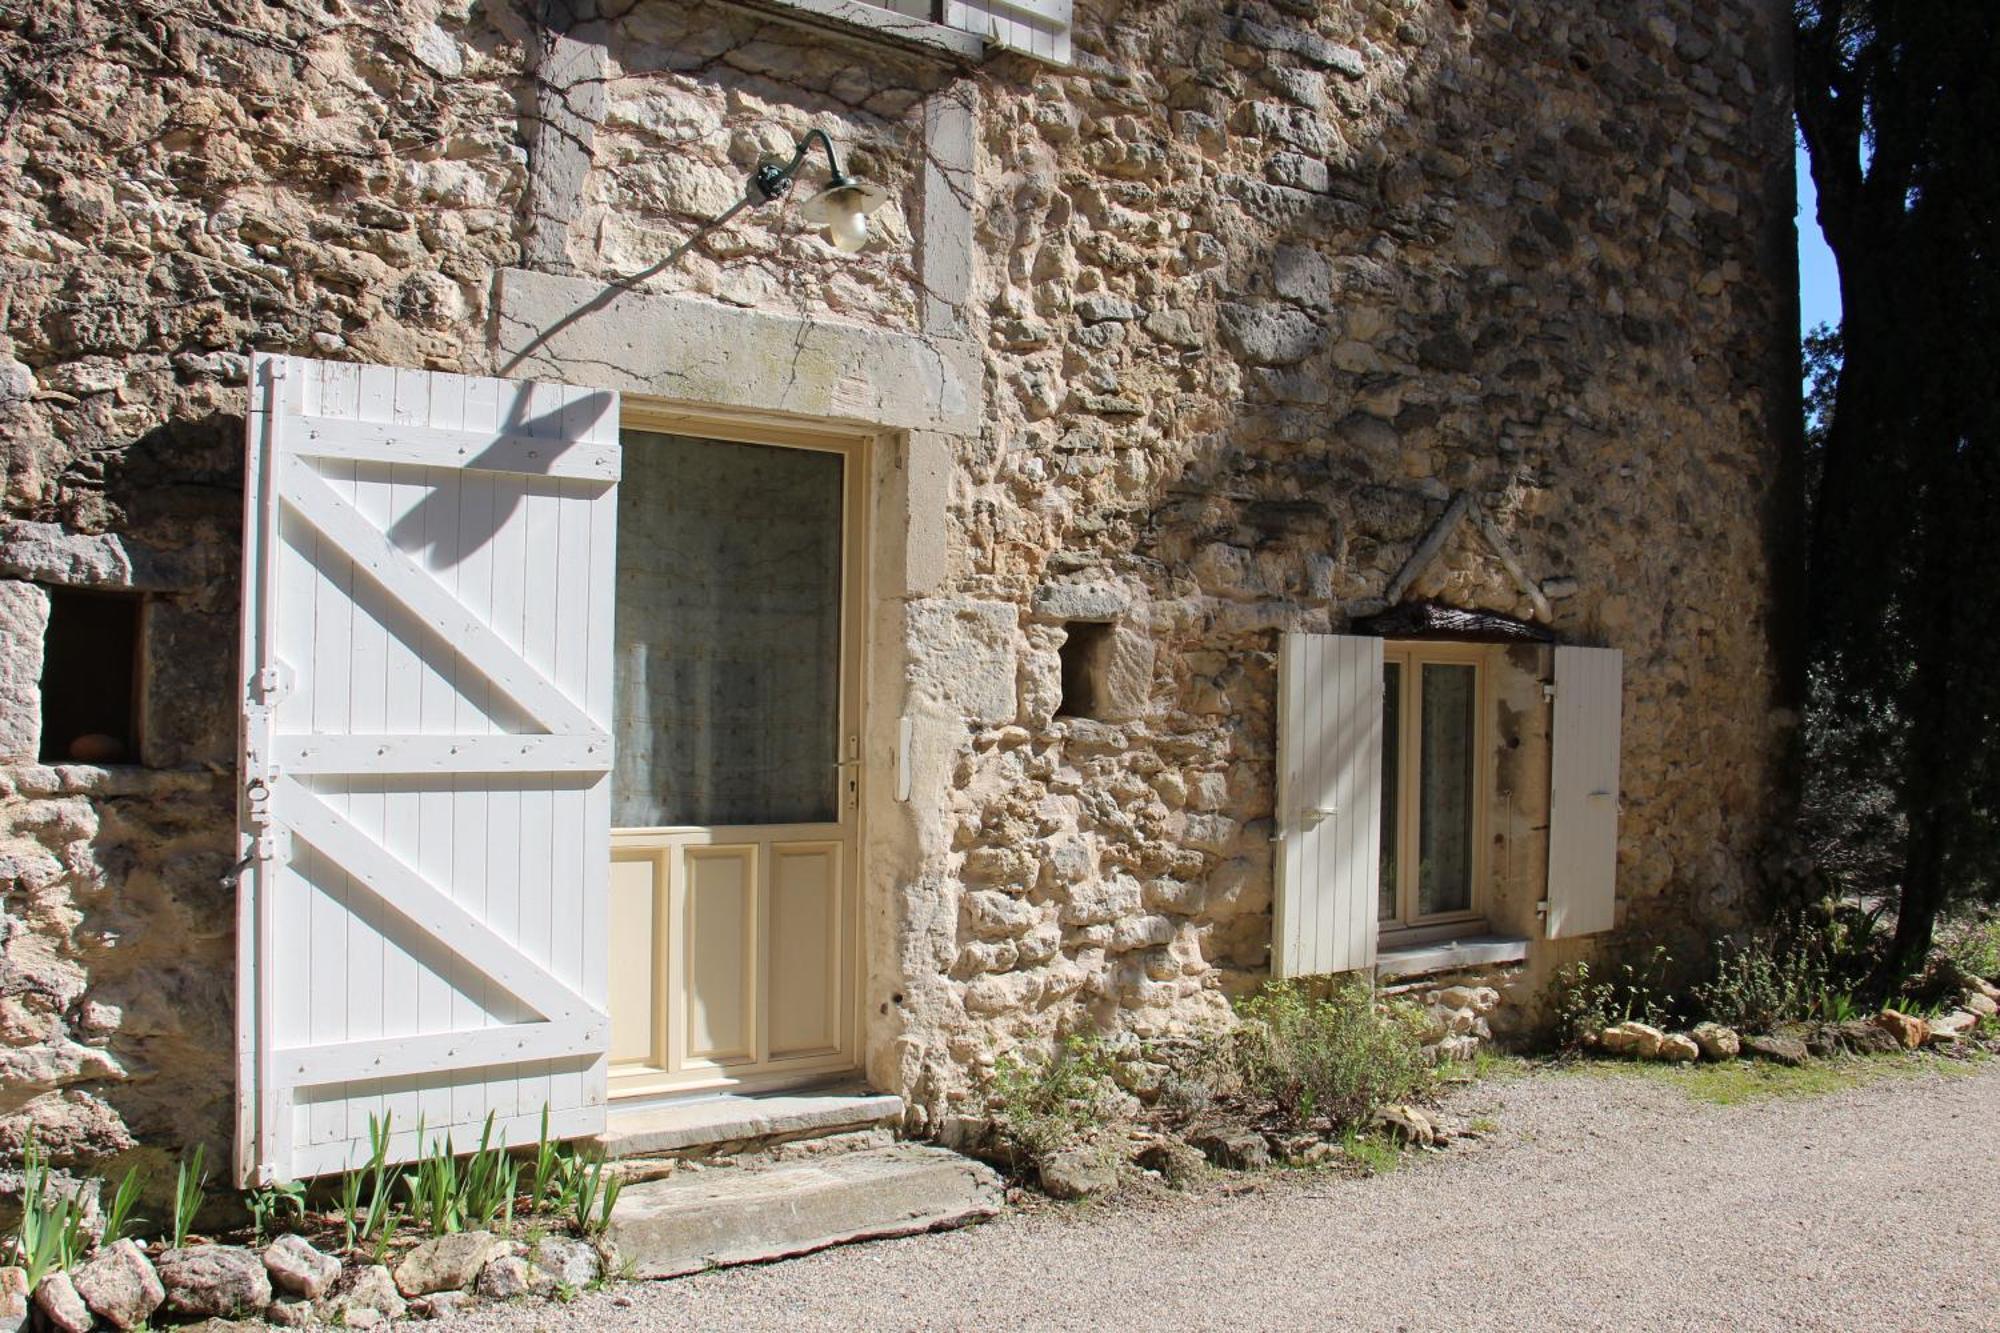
(728, 634)
(1445, 778)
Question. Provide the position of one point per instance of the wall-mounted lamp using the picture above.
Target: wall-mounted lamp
(842, 207)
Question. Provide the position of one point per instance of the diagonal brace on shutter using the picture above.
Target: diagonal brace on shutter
(411, 896)
(308, 495)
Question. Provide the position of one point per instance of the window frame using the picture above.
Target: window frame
(1411, 656)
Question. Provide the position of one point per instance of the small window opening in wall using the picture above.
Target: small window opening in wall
(90, 678)
(1085, 651)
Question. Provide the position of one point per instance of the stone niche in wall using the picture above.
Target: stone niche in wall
(114, 654)
(1097, 651)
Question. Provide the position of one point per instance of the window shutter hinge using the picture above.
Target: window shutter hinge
(1548, 690)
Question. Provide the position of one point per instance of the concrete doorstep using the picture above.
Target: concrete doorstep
(713, 1126)
(751, 1214)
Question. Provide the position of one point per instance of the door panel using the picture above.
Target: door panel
(721, 911)
(638, 917)
(736, 777)
(805, 948)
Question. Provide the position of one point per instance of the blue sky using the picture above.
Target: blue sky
(1819, 281)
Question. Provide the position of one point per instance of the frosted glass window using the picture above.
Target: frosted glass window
(1445, 780)
(728, 635)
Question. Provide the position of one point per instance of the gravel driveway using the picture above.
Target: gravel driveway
(1601, 1202)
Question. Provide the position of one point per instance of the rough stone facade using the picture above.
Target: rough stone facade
(1233, 307)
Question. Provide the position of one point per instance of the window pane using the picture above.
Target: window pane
(728, 638)
(1392, 739)
(1445, 783)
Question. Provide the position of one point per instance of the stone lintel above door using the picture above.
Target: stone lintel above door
(685, 350)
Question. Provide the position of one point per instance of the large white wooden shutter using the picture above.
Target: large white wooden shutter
(425, 814)
(1583, 791)
(1329, 813)
(1038, 28)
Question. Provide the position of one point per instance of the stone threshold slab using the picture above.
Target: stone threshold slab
(735, 1118)
(754, 1214)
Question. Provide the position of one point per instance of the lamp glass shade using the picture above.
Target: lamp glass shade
(843, 209)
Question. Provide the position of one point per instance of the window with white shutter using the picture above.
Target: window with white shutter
(1038, 28)
(425, 815)
(1329, 803)
(1583, 791)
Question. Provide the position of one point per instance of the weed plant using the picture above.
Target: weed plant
(1047, 1108)
(190, 1186)
(1803, 969)
(1340, 1055)
(51, 1234)
(1587, 1001)
(118, 1219)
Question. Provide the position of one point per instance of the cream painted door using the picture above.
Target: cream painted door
(734, 899)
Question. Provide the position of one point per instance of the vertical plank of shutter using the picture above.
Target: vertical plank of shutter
(1346, 795)
(448, 843)
(1284, 889)
(1365, 782)
(385, 980)
(1312, 958)
(568, 801)
(425, 492)
(505, 803)
(543, 408)
(297, 908)
(1329, 834)
(333, 624)
(1341, 795)
(601, 593)
(1337, 743)
(353, 392)
(479, 412)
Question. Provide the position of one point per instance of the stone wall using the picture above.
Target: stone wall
(1260, 297)
(1254, 295)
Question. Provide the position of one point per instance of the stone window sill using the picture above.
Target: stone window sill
(1419, 960)
(872, 22)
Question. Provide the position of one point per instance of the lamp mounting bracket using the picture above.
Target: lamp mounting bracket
(773, 179)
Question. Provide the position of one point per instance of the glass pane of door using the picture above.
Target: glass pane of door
(1445, 785)
(728, 635)
(1392, 784)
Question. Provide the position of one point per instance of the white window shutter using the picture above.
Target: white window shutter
(1038, 28)
(1329, 812)
(425, 812)
(1583, 791)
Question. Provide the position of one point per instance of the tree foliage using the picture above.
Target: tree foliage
(1899, 105)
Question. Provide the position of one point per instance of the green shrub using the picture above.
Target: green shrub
(1803, 969)
(1973, 947)
(1338, 1056)
(1046, 1108)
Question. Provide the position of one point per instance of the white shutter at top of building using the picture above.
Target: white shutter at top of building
(425, 816)
(1583, 791)
(1329, 812)
(1038, 28)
